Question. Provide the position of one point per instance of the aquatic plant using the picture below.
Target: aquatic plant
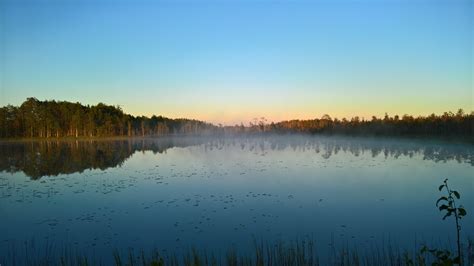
(447, 205)
(299, 252)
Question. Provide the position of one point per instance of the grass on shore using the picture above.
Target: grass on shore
(302, 252)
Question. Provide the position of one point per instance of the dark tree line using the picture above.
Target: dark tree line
(47, 119)
(457, 124)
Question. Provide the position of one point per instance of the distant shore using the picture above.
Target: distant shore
(35, 119)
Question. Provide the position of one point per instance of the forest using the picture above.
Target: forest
(55, 119)
(47, 119)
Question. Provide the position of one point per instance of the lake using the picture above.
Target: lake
(215, 193)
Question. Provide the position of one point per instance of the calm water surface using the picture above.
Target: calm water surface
(177, 193)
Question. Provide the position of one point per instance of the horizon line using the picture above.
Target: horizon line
(256, 119)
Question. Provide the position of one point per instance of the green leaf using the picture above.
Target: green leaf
(443, 207)
(440, 199)
(456, 194)
(446, 215)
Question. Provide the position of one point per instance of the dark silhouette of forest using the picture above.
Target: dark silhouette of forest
(54, 119)
(47, 119)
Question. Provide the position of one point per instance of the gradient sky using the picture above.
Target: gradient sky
(232, 60)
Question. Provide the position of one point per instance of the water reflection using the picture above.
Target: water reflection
(219, 192)
(50, 158)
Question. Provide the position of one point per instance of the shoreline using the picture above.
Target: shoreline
(448, 139)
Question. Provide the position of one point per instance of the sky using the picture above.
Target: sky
(229, 61)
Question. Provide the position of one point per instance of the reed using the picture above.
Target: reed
(297, 253)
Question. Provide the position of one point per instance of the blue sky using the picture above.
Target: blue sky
(231, 60)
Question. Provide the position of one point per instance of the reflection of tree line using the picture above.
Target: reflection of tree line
(328, 146)
(393, 148)
(43, 158)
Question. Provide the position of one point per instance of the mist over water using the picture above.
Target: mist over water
(214, 193)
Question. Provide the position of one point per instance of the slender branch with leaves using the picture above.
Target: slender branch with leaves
(447, 204)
